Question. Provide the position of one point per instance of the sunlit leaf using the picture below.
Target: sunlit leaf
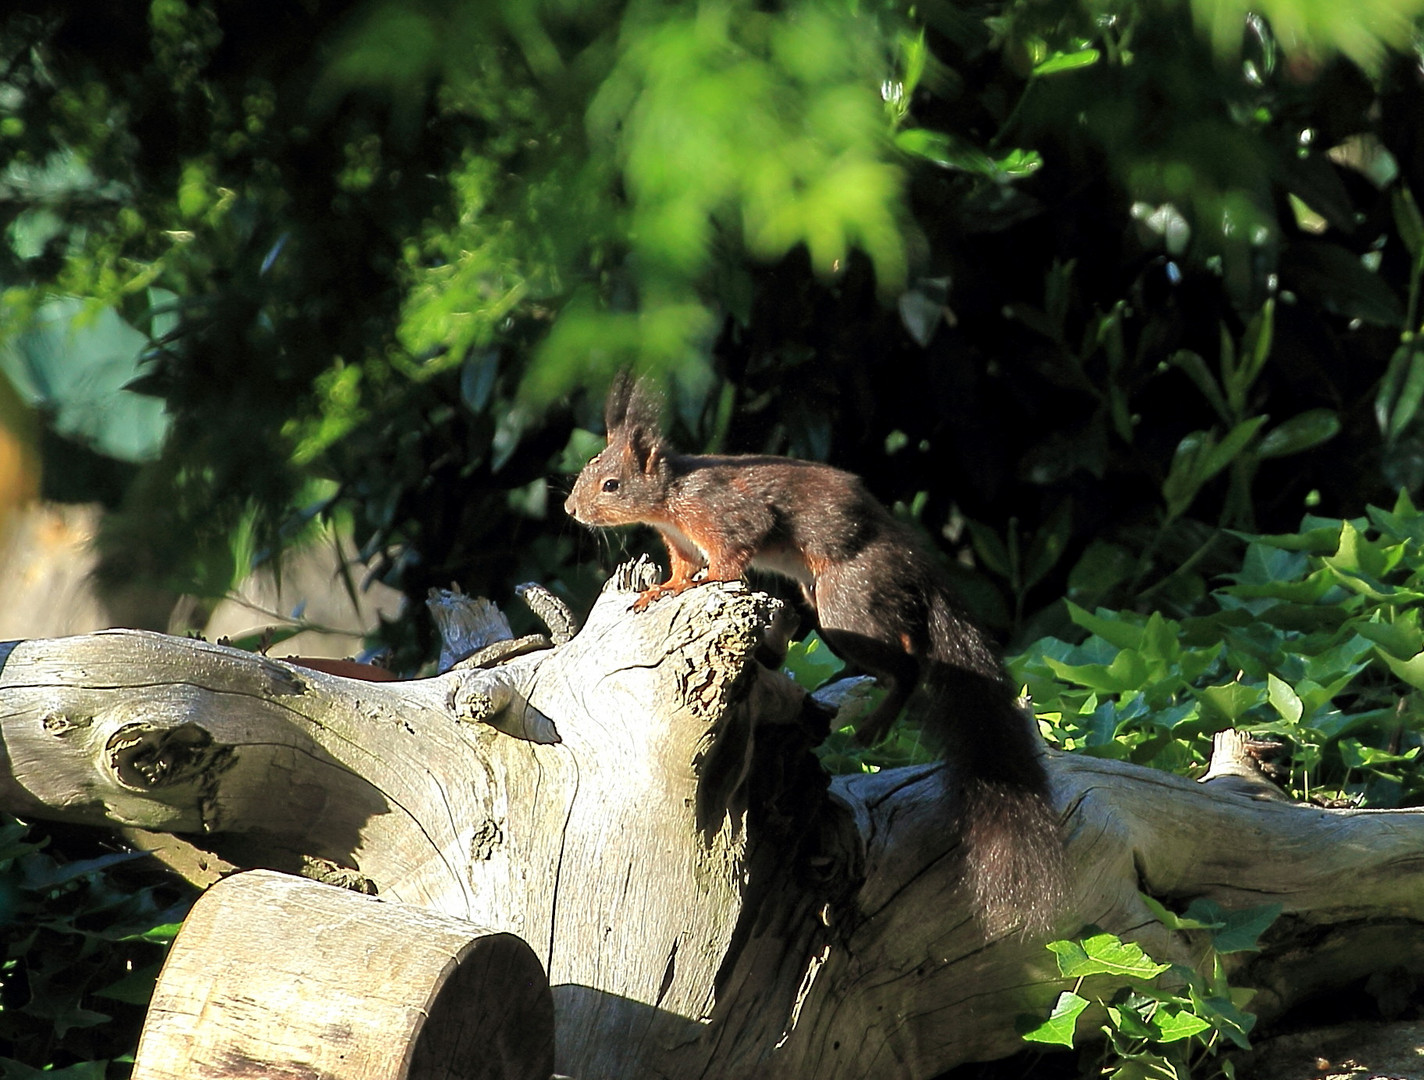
(1062, 1022)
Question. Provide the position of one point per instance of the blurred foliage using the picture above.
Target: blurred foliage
(85, 930)
(1079, 286)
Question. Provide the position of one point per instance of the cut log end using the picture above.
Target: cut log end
(278, 976)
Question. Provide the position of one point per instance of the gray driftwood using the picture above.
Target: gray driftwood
(641, 806)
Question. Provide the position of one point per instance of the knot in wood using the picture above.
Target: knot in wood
(331, 873)
(59, 723)
(144, 757)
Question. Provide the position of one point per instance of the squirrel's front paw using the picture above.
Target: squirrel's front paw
(657, 592)
(646, 598)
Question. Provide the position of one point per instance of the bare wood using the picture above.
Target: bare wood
(912, 970)
(275, 976)
(702, 904)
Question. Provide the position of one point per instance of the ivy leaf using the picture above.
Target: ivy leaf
(1284, 699)
(1243, 928)
(1225, 1017)
(810, 661)
(1062, 1022)
(1173, 1025)
(1104, 954)
(1146, 1067)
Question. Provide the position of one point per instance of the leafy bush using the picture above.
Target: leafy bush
(1315, 641)
(1159, 1020)
(84, 938)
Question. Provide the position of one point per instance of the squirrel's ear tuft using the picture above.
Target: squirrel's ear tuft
(615, 409)
(647, 448)
(633, 406)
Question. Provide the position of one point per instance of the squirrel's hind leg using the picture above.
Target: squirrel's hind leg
(895, 670)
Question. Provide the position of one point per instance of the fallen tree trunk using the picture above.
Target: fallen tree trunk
(641, 805)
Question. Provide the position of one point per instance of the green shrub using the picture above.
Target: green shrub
(1315, 641)
(84, 937)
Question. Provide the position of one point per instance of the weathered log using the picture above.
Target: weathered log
(703, 901)
(276, 976)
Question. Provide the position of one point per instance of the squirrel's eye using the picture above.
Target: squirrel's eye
(610, 484)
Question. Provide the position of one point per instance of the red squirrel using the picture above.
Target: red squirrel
(882, 604)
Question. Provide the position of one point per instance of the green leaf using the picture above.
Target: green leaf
(84, 1070)
(1410, 671)
(1255, 350)
(1102, 566)
(1048, 544)
(1284, 699)
(1146, 1067)
(1225, 1017)
(1125, 673)
(135, 988)
(1400, 390)
(1274, 563)
(1401, 639)
(1173, 1025)
(13, 842)
(1198, 458)
(75, 363)
(1073, 61)
(1300, 433)
(1118, 632)
(1334, 278)
(952, 152)
(1104, 954)
(1243, 928)
(1408, 221)
(1128, 1023)
(1232, 700)
(1318, 536)
(1223, 454)
(991, 549)
(1197, 370)
(811, 663)
(1200, 914)
(1062, 1022)
(945, 150)
(915, 54)
(1017, 163)
(42, 878)
(1355, 555)
(1402, 523)
(160, 935)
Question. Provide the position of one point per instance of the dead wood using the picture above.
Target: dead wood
(641, 805)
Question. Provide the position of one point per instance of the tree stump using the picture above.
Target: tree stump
(641, 805)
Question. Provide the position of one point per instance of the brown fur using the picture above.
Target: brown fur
(882, 604)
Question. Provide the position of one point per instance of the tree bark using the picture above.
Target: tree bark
(641, 805)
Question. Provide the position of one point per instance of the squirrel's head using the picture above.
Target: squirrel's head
(625, 482)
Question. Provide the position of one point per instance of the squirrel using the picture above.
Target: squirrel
(881, 603)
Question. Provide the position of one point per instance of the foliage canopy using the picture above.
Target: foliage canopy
(1088, 288)
(1080, 285)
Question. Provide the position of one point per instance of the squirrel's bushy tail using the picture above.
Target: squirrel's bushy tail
(1013, 857)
